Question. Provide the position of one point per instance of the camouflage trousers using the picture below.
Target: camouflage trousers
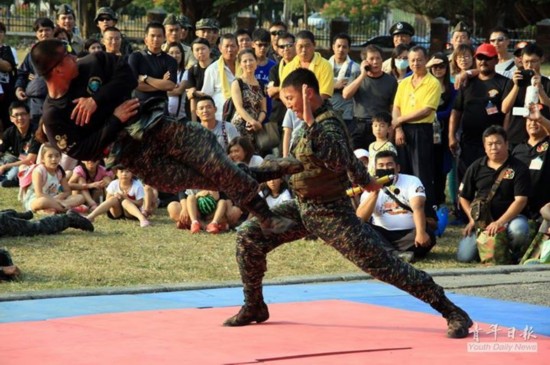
(12, 225)
(174, 156)
(337, 225)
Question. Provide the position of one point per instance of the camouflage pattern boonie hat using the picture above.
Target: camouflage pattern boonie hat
(207, 23)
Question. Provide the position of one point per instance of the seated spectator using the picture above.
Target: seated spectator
(534, 154)
(124, 199)
(150, 201)
(44, 186)
(537, 253)
(397, 210)
(19, 147)
(91, 46)
(204, 205)
(240, 149)
(503, 183)
(91, 179)
(275, 192)
(381, 125)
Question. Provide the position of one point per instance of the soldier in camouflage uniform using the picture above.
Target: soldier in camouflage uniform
(13, 223)
(322, 208)
(163, 152)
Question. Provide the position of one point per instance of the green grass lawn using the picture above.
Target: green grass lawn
(119, 253)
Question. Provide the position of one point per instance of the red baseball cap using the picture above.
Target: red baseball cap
(487, 49)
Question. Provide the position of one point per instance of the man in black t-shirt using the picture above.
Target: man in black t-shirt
(531, 59)
(18, 147)
(195, 74)
(534, 154)
(507, 207)
(154, 69)
(478, 106)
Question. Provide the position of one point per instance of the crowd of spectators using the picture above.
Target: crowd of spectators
(430, 122)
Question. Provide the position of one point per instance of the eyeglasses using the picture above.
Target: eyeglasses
(481, 57)
(277, 32)
(65, 54)
(104, 19)
(286, 45)
(498, 39)
(261, 44)
(464, 57)
(19, 115)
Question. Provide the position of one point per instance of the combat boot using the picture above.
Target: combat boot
(269, 222)
(458, 321)
(249, 313)
(79, 222)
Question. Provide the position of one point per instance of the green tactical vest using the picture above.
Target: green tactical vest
(317, 182)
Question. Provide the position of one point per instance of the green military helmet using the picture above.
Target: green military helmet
(206, 204)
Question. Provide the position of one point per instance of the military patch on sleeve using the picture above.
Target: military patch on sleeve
(420, 189)
(94, 84)
(509, 174)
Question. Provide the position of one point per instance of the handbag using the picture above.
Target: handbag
(268, 137)
(480, 207)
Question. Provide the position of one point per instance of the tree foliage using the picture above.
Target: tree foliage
(353, 9)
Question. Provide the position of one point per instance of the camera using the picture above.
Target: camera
(527, 76)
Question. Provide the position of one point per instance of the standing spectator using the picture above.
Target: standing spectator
(29, 85)
(173, 29)
(531, 59)
(105, 18)
(66, 19)
(534, 154)
(18, 147)
(244, 39)
(462, 64)
(439, 67)
(373, 92)
(277, 29)
(500, 39)
(186, 29)
(477, 106)
(8, 74)
(416, 101)
(461, 35)
(399, 62)
(344, 70)
(176, 97)
(112, 41)
(306, 57)
(260, 44)
(248, 97)
(209, 28)
(195, 74)
(221, 73)
(507, 206)
(155, 70)
(401, 33)
(287, 51)
(91, 46)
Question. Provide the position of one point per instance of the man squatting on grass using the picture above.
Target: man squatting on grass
(88, 107)
(322, 208)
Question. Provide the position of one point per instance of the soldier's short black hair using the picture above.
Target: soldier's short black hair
(261, 35)
(306, 34)
(204, 98)
(18, 104)
(199, 40)
(46, 54)
(155, 25)
(299, 77)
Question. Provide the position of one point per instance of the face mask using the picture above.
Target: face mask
(384, 172)
(401, 64)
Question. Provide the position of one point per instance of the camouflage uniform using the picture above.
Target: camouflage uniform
(334, 221)
(19, 224)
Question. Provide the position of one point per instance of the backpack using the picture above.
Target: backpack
(229, 107)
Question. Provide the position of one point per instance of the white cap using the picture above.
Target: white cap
(361, 152)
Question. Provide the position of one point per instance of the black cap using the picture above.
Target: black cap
(402, 28)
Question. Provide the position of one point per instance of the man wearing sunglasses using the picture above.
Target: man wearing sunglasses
(277, 29)
(478, 106)
(106, 18)
(500, 39)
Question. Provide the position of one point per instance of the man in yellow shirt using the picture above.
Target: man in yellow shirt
(306, 57)
(414, 107)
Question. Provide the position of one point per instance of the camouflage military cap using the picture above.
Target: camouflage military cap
(105, 11)
(207, 23)
(185, 22)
